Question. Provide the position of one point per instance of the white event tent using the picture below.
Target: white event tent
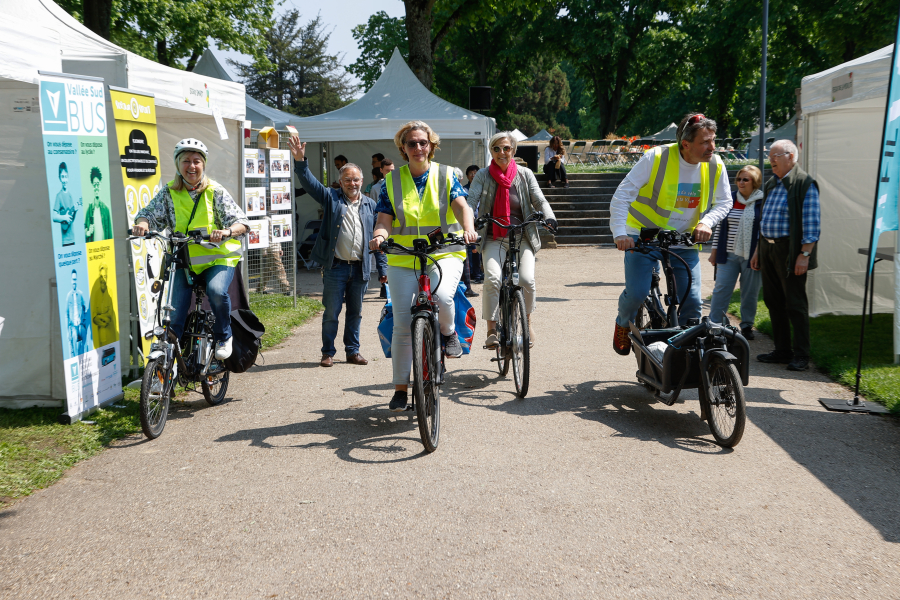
(841, 140)
(668, 133)
(38, 35)
(368, 125)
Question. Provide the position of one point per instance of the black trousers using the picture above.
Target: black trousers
(550, 170)
(785, 297)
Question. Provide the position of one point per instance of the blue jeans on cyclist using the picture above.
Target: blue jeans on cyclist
(218, 279)
(343, 282)
(638, 275)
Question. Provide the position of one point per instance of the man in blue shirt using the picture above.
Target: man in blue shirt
(342, 249)
(789, 230)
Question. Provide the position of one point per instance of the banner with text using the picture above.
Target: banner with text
(135, 116)
(73, 116)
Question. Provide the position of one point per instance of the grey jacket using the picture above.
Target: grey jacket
(485, 188)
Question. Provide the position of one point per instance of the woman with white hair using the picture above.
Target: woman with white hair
(194, 201)
(510, 194)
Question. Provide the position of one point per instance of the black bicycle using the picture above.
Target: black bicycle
(427, 350)
(188, 361)
(513, 336)
(707, 356)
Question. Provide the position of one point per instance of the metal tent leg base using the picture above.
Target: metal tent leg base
(838, 405)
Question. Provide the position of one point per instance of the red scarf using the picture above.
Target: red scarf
(501, 199)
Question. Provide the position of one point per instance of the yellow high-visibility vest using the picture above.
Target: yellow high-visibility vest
(229, 251)
(415, 216)
(657, 200)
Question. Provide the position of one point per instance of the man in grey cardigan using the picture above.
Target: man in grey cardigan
(341, 249)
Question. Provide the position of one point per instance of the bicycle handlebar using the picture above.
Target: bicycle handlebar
(195, 234)
(451, 240)
(537, 217)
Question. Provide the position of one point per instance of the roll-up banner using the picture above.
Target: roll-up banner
(73, 117)
(135, 116)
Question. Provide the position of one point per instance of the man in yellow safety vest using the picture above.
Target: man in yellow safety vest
(682, 187)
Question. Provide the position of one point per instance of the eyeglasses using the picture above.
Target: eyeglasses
(413, 144)
(695, 119)
(740, 179)
(498, 149)
(780, 154)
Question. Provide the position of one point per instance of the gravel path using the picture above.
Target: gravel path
(303, 484)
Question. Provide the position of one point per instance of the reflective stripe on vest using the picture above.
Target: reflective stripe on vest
(656, 200)
(229, 251)
(415, 216)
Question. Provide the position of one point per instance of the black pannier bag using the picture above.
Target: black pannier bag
(246, 329)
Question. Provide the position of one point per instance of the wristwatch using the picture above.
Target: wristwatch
(804, 253)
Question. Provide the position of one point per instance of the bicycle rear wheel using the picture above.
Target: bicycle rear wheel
(519, 343)
(426, 374)
(214, 385)
(154, 405)
(726, 406)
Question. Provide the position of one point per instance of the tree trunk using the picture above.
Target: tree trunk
(97, 16)
(419, 19)
(192, 61)
(162, 52)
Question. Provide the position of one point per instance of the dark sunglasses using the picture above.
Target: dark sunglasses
(743, 179)
(498, 149)
(412, 144)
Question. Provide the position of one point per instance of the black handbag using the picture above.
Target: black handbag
(246, 330)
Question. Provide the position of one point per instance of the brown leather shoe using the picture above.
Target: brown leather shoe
(326, 361)
(356, 359)
(621, 341)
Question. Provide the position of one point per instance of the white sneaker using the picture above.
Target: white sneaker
(223, 349)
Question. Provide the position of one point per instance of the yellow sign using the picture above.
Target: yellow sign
(135, 116)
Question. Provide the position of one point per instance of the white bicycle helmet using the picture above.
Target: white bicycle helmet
(190, 145)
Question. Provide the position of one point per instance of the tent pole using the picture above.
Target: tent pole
(762, 90)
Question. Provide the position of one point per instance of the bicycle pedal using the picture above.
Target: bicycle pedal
(409, 408)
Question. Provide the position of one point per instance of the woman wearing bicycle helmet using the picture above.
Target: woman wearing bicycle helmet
(194, 201)
(415, 199)
(510, 194)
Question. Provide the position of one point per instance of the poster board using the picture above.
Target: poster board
(75, 129)
(138, 147)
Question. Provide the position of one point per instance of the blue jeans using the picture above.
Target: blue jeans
(638, 270)
(218, 279)
(726, 277)
(342, 283)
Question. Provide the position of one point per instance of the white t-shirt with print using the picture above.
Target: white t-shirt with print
(688, 200)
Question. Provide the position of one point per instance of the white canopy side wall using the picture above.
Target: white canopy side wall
(840, 150)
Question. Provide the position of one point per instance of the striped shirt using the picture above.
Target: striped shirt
(775, 222)
(734, 223)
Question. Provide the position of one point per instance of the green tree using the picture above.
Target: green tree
(376, 41)
(303, 78)
(175, 33)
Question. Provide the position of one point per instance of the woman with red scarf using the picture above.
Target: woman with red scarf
(510, 194)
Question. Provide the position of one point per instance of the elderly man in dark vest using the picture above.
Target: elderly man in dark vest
(789, 230)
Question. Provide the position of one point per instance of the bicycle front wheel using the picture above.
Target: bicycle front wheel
(726, 406)
(214, 385)
(426, 375)
(154, 398)
(520, 341)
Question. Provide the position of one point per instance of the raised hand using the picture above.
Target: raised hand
(298, 148)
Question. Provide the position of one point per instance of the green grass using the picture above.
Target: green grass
(834, 343)
(36, 450)
(279, 316)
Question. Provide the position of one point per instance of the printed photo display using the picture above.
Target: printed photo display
(258, 235)
(281, 228)
(281, 195)
(251, 163)
(280, 163)
(255, 201)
